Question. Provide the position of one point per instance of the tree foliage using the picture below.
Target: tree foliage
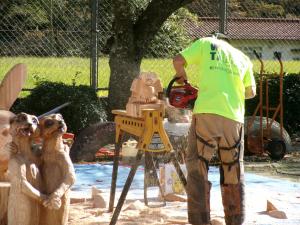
(264, 9)
(43, 27)
(172, 36)
(249, 8)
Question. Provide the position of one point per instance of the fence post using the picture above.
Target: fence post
(94, 45)
(223, 16)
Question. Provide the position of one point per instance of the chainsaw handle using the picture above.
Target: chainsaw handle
(170, 85)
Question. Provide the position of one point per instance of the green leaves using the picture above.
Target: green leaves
(172, 36)
(85, 108)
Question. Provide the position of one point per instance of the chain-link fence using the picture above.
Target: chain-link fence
(53, 37)
(50, 36)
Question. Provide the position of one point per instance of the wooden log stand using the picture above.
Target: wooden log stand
(152, 138)
(4, 191)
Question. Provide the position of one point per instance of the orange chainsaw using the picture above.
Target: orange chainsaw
(183, 96)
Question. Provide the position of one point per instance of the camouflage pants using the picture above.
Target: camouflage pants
(211, 134)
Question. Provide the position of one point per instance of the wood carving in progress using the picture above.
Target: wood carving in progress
(145, 90)
(57, 170)
(24, 196)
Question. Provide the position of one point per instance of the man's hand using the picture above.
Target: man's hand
(167, 104)
(180, 80)
(250, 92)
(179, 63)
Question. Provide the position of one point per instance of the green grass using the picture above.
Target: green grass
(74, 69)
(53, 69)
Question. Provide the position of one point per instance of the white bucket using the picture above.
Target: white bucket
(129, 148)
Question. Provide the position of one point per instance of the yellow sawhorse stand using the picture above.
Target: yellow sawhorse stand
(152, 138)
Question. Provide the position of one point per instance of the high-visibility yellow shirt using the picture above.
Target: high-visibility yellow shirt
(223, 72)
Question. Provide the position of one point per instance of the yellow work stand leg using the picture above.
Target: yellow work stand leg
(152, 138)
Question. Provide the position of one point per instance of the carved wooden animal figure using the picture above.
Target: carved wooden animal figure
(145, 91)
(5, 138)
(24, 196)
(57, 170)
(10, 87)
(145, 88)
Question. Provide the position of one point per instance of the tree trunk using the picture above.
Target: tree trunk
(4, 191)
(123, 61)
(131, 39)
(125, 66)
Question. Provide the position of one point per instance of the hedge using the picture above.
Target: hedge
(85, 108)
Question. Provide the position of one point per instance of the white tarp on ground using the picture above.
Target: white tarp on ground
(285, 195)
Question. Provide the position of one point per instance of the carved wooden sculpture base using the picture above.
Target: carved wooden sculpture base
(4, 191)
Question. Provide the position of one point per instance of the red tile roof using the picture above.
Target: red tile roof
(248, 28)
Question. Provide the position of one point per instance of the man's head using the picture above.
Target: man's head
(219, 35)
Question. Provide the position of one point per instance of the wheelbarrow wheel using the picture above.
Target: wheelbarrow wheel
(247, 151)
(276, 149)
(252, 136)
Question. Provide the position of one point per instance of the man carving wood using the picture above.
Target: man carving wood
(225, 79)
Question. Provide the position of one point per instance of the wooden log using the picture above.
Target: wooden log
(4, 191)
